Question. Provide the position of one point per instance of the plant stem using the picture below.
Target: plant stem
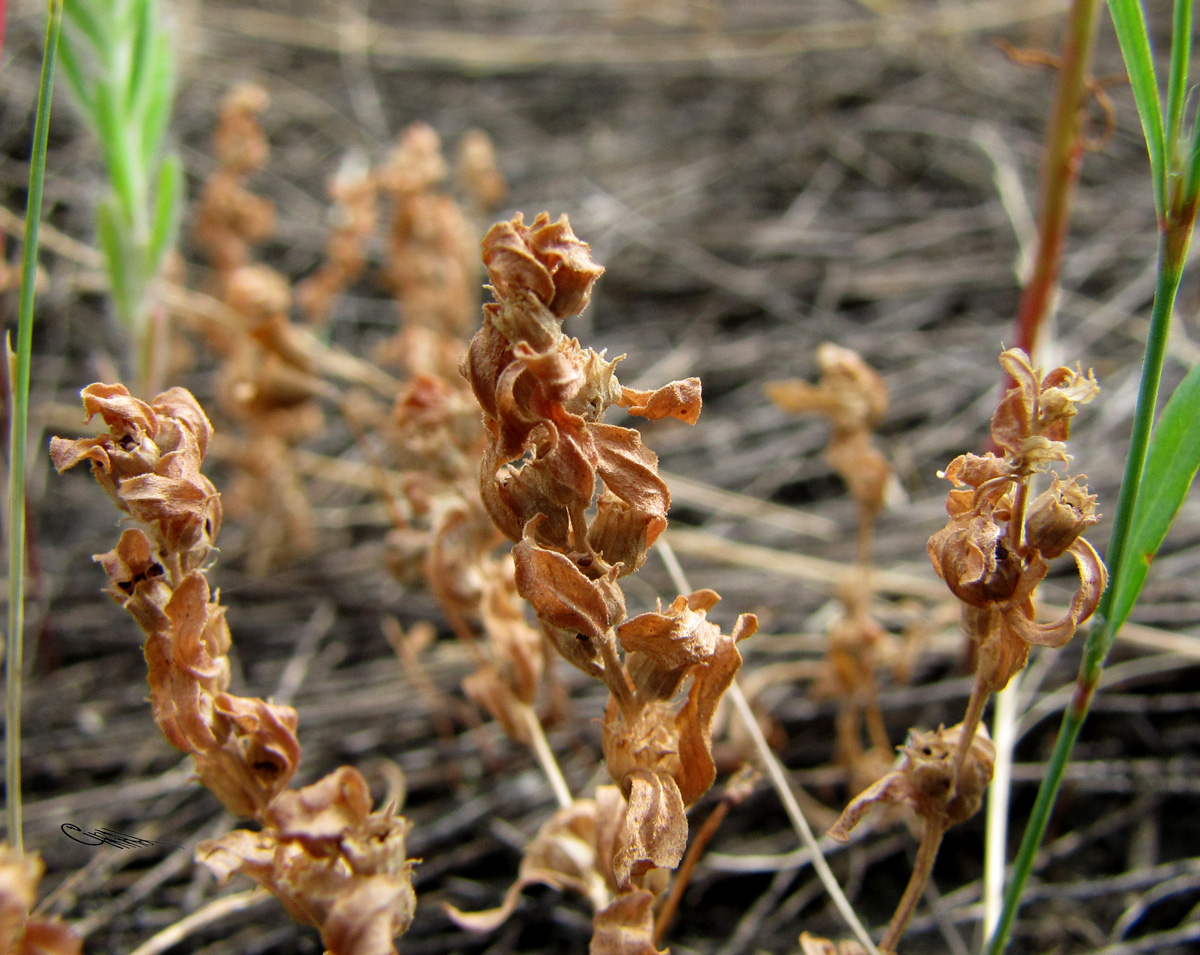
(931, 841)
(700, 842)
(1172, 253)
(545, 756)
(19, 434)
(1064, 154)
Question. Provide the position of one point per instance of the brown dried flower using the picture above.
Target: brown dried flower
(20, 932)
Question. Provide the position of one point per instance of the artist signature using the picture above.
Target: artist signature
(109, 837)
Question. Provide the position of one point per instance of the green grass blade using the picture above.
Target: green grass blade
(117, 258)
(144, 29)
(68, 62)
(1130, 24)
(166, 209)
(1171, 465)
(160, 98)
(82, 19)
(19, 436)
(1181, 44)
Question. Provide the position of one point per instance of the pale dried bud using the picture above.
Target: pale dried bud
(1059, 515)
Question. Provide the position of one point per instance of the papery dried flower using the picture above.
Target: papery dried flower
(925, 780)
(332, 862)
(20, 932)
(149, 463)
(853, 397)
(1034, 418)
(562, 855)
(626, 927)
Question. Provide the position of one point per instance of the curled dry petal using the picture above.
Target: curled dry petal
(694, 722)
(367, 918)
(544, 258)
(318, 815)
(679, 637)
(654, 833)
(1058, 516)
(676, 399)
(626, 927)
(1093, 578)
(560, 594)
(20, 932)
(969, 554)
(562, 855)
(257, 758)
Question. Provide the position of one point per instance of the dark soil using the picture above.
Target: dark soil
(757, 178)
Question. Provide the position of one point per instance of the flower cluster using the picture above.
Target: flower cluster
(544, 397)
(334, 864)
(994, 551)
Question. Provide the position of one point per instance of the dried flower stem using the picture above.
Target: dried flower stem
(700, 841)
(931, 841)
(545, 756)
(214, 911)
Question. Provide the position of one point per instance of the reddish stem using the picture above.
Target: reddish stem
(1064, 155)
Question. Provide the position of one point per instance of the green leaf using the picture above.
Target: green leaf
(110, 232)
(141, 51)
(69, 64)
(161, 87)
(80, 15)
(166, 210)
(1181, 42)
(1171, 464)
(1130, 24)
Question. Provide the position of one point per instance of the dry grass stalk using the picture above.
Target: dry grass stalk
(332, 862)
(544, 397)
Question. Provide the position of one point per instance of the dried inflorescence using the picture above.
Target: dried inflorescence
(544, 397)
(853, 397)
(353, 218)
(924, 779)
(994, 551)
(942, 776)
(432, 259)
(334, 864)
(230, 218)
(20, 932)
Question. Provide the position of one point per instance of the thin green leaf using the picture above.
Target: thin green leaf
(81, 16)
(69, 63)
(1181, 43)
(1171, 465)
(111, 133)
(120, 269)
(1130, 25)
(161, 87)
(144, 30)
(166, 210)
(19, 435)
